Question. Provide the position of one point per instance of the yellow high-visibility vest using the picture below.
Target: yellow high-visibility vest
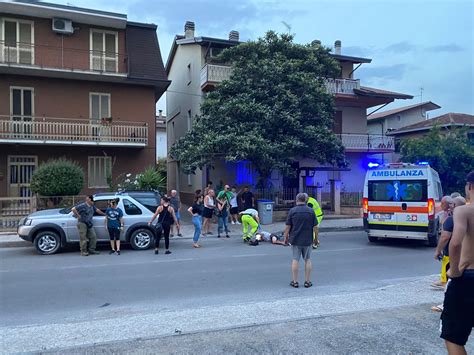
(317, 209)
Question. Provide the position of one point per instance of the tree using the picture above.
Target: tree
(273, 110)
(449, 153)
(58, 177)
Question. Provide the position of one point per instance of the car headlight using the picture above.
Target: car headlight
(27, 222)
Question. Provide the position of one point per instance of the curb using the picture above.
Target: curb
(25, 244)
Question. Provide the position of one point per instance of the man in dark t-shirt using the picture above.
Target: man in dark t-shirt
(300, 225)
(248, 201)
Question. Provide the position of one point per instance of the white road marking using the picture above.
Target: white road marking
(248, 255)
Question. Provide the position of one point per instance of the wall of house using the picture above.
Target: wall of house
(353, 119)
(68, 51)
(397, 121)
(347, 70)
(57, 98)
(183, 95)
(161, 143)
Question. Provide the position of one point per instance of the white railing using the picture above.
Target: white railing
(212, 73)
(342, 86)
(33, 130)
(367, 142)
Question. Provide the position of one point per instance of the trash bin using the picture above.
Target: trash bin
(265, 211)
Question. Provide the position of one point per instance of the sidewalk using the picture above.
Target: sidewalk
(330, 224)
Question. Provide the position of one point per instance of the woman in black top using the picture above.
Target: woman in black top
(165, 220)
(196, 211)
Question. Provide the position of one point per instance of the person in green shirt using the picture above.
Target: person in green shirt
(319, 216)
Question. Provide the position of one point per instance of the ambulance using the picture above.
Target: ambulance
(402, 200)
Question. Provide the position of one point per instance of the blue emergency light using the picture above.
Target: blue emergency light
(373, 165)
(422, 163)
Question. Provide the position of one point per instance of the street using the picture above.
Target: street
(65, 301)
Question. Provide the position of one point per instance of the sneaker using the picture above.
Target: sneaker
(94, 252)
(167, 252)
(227, 236)
(171, 235)
(218, 236)
(238, 222)
(232, 222)
(180, 235)
(111, 252)
(84, 253)
(118, 252)
(156, 251)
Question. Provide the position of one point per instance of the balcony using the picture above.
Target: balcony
(66, 131)
(34, 56)
(367, 143)
(342, 86)
(212, 74)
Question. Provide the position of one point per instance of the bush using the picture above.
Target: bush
(58, 177)
(151, 179)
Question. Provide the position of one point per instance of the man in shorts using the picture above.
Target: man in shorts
(457, 319)
(300, 226)
(446, 211)
(175, 202)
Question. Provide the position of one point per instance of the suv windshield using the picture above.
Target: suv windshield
(396, 190)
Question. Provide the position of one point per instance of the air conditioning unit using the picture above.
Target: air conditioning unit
(62, 26)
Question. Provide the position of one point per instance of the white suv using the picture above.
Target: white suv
(50, 230)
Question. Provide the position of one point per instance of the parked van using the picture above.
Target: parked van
(401, 201)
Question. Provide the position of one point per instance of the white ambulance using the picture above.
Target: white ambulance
(401, 201)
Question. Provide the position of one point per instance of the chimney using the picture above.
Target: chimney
(234, 36)
(316, 43)
(337, 47)
(189, 29)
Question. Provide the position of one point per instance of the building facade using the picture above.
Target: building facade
(76, 83)
(161, 145)
(193, 70)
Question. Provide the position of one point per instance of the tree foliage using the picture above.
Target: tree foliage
(449, 153)
(273, 110)
(58, 177)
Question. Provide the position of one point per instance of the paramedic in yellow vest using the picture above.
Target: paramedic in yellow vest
(249, 219)
(319, 216)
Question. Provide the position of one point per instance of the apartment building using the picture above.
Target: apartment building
(76, 83)
(193, 70)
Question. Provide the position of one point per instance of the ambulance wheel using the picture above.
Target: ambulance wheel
(373, 239)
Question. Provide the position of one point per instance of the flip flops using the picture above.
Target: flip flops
(294, 284)
(308, 284)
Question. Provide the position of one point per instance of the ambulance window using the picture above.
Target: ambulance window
(440, 190)
(395, 190)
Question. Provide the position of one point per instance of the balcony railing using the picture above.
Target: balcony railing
(212, 74)
(68, 59)
(65, 131)
(342, 86)
(367, 142)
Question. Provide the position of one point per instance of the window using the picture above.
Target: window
(189, 122)
(190, 181)
(101, 205)
(130, 208)
(104, 51)
(395, 190)
(99, 170)
(16, 41)
(189, 74)
(99, 106)
(21, 110)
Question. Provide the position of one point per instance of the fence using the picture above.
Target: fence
(351, 199)
(13, 209)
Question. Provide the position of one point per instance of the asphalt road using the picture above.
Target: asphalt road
(75, 301)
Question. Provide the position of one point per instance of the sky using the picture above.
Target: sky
(424, 48)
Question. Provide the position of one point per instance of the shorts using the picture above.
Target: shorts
(207, 212)
(178, 215)
(234, 210)
(299, 251)
(457, 319)
(114, 233)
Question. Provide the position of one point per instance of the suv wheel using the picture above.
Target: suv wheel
(141, 238)
(47, 242)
